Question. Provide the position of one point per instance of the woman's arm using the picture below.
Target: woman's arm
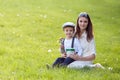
(87, 58)
(81, 58)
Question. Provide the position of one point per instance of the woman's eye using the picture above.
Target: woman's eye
(85, 21)
(80, 21)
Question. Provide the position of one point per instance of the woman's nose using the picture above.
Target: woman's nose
(82, 23)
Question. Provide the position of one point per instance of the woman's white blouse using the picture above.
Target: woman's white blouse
(87, 47)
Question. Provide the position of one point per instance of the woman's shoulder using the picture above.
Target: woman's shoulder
(76, 38)
(92, 40)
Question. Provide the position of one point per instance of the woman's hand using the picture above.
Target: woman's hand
(75, 56)
(81, 58)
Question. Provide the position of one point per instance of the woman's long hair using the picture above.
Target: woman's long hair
(89, 29)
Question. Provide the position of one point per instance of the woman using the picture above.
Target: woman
(84, 32)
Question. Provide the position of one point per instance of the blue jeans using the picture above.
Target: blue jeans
(62, 62)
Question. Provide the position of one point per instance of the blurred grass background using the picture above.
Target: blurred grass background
(29, 29)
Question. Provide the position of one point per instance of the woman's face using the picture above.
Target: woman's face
(83, 23)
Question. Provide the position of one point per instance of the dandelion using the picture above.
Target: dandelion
(110, 68)
(58, 41)
(41, 15)
(1, 15)
(116, 59)
(49, 50)
(105, 59)
(39, 7)
(45, 16)
(18, 15)
(13, 73)
(33, 21)
(13, 32)
(65, 10)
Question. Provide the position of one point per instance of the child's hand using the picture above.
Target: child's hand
(61, 40)
(64, 55)
(62, 46)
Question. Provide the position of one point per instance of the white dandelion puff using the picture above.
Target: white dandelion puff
(13, 32)
(33, 21)
(41, 15)
(45, 16)
(110, 68)
(1, 15)
(105, 59)
(49, 50)
(65, 10)
(18, 15)
(116, 59)
(39, 7)
(13, 73)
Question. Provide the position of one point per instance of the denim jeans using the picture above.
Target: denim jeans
(62, 62)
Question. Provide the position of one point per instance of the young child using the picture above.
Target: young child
(69, 43)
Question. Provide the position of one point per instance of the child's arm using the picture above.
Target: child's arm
(62, 50)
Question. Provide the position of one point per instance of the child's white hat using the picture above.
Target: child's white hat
(68, 24)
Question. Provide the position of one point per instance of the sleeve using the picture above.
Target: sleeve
(92, 47)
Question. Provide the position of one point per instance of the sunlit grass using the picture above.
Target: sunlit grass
(29, 33)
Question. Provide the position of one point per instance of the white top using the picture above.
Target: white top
(88, 47)
(77, 46)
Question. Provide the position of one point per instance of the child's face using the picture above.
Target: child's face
(68, 32)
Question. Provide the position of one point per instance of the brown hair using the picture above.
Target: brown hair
(89, 29)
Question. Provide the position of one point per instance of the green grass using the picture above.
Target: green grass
(28, 29)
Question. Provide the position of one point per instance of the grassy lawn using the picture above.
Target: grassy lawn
(30, 29)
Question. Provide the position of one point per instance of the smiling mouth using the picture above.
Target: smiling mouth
(82, 26)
